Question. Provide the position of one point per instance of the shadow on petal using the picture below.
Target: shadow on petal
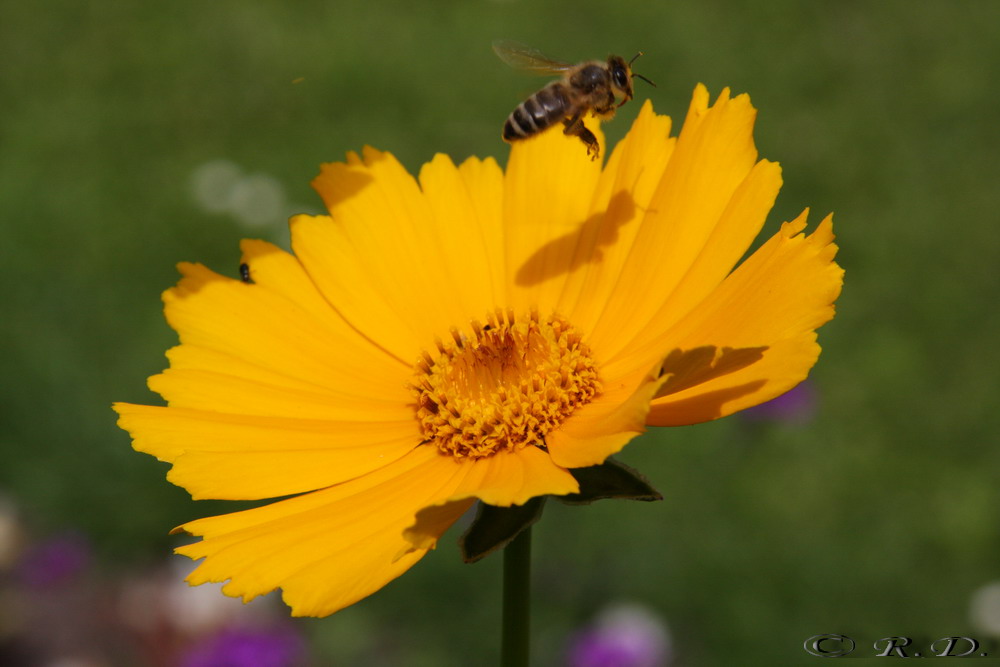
(338, 182)
(431, 522)
(598, 231)
(688, 368)
(701, 407)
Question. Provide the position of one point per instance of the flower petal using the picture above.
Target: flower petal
(776, 299)
(243, 457)
(512, 478)
(601, 428)
(235, 393)
(709, 204)
(465, 223)
(330, 548)
(546, 200)
(374, 259)
(279, 331)
(326, 549)
(502, 480)
(602, 246)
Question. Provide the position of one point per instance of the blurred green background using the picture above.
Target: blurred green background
(876, 517)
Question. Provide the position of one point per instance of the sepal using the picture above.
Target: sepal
(610, 479)
(495, 527)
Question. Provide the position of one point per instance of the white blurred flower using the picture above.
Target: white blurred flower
(164, 598)
(254, 200)
(258, 200)
(212, 185)
(197, 609)
(984, 609)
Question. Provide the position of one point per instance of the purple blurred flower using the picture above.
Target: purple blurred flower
(247, 647)
(622, 636)
(795, 406)
(55, 561)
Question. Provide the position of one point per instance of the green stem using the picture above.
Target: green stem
(514, 647)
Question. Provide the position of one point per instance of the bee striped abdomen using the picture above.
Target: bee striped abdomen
(537, 112)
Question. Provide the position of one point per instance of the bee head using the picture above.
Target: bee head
(621, 76)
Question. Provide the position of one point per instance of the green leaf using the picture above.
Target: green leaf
(494, 527)
(611, 479)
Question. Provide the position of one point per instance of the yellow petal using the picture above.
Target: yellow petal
(698, 221)
(504, 479)
(431, 523)
(376, 259)
(330, 548)
(281, 329)
(547, 196)
(781, 366)
(776, 299)
(733, 232)
(327, 549)
(601, 428)
(236, 394)
(242, 457)
(513, 478)
(622, 197)
(465, 225)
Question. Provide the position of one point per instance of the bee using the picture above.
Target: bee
(591, 86)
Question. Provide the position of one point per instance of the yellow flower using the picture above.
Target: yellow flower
(473, 335)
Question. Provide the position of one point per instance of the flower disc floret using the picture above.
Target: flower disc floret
(505, 387)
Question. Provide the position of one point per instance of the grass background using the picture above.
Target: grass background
(877, 518)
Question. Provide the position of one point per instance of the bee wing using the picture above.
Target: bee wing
(526, 58)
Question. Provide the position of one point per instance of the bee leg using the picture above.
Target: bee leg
(576, 128)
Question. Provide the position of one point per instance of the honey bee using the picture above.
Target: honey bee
(594, 86)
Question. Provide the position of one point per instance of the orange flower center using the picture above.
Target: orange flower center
(505, 388)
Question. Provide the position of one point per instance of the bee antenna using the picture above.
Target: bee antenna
(633, 58)
(644, 79)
